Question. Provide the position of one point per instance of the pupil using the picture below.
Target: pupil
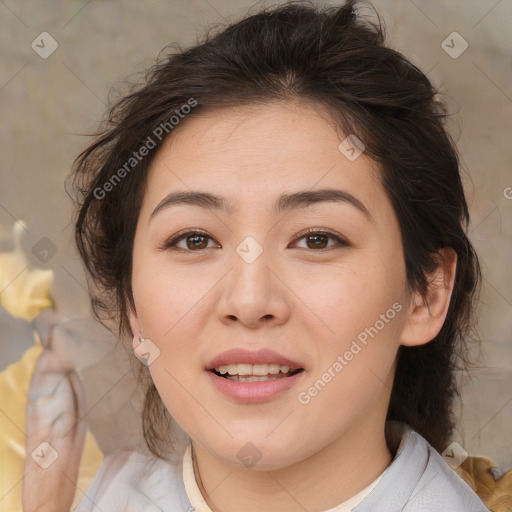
(195, 238)
(317, 237)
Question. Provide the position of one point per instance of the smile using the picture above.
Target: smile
(254, 372)
(250, 387)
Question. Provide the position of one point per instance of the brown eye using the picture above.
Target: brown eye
(319, 239)
(194, 240)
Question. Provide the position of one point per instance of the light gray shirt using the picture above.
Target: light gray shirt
(417, 480)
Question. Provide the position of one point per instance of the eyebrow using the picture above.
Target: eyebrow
(284, 203)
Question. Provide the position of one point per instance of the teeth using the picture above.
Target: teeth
(252, 369)
(254, 378)
(274, 368)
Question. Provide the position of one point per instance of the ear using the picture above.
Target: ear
(134, 322)
(426, 316)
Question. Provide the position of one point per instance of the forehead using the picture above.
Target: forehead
(259, 152)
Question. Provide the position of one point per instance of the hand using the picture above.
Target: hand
(54, 412)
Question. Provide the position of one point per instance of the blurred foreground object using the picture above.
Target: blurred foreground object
(22, 297)
(82, 378)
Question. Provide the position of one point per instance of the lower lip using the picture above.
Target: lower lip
(258, 391)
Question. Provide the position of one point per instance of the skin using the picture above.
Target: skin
(304, 302)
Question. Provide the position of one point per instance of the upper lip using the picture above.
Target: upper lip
(243, 356)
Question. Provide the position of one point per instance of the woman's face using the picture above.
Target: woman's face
(253, 279)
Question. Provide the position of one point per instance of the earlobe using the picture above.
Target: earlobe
(135, 327)
(427, 314)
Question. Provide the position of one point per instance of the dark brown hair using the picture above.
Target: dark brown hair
(333, 58)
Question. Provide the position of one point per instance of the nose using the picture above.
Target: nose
(254, 294)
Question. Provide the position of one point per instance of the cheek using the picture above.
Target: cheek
(362, 315)
(168, 309)
(351, 301)
(166, 300)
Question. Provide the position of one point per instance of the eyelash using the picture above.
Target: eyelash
(171, 243)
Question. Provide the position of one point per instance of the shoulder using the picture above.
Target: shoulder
(135, 480)
(419, 480)
(440, 485)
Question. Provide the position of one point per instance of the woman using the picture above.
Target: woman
(277, 218)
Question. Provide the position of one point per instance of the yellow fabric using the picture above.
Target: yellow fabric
(26, 293)
(496, 494)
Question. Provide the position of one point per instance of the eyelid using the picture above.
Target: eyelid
(325, 232)
(170, 243)
(173, 240)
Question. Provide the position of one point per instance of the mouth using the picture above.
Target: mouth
(254, 372)
(250, 376)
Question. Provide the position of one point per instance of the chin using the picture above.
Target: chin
(260, 454)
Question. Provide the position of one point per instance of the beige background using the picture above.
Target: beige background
(46, 104)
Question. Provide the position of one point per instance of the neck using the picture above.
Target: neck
(329, 477)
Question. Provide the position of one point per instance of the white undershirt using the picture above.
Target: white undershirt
(197, 501)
